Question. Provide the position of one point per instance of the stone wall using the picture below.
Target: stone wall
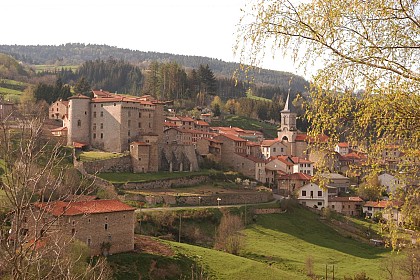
(205, 200)
(165, 184)
(120, 164)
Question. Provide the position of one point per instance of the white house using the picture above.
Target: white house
(302, 165)
(390, 210)
(311, 195)
(342, 148)
(390, 182)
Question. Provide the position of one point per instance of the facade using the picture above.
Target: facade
(390, 182)
(274, 148)
(6, 109)
(289, 183)
(388, 210)
(288, 130)
(112, 122)
(311, 195)
(249, 166)
(342, 183)
(350, 206)
(101, 224)
(58, 110)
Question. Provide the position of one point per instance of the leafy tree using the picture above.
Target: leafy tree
(367, 90)
(371, 188)
(216, 106)
(82, 86)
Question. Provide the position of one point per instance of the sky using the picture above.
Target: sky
(187, 27)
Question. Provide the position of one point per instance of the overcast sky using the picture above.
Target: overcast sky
(189, 27)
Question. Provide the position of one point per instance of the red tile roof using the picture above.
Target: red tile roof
(202, 123)
(233, 137)
(296, 176)
(343, 144)
(300, 160)
(61, 208)
(267, 143)
(382, 204)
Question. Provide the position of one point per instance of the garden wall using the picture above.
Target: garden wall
(165, 184)
(119, 164)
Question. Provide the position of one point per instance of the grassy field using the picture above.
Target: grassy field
(286, 241)
(53, 68)
(144, 177)
(269, 130)
(96, 155)
(277, 246)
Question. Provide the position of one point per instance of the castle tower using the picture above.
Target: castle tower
(78, 120)
(288, 131)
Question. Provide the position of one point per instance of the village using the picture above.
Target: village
(157, 140)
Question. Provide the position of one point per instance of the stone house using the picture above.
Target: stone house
(187, 122)
(274, 148)
(311, 195)
(6, 109)
(110, 122)
(201, 126)
(208, 146)
(390, 182)
(389, 210)
(342, 183)
(253, 149)
(289, 183)
(350, 206)
(249, 166)
(58, 110)
(231, 145)
(104, 225)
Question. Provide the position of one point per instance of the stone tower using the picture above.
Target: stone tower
(79, 120)
(288, 131)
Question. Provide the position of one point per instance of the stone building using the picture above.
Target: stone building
(106, 226)
(58, 110)
(111, 122)
(350, 206)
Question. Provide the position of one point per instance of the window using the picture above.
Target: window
(150, 115)
(139, 124)
(319, 193)
(129, 133)
(89, 242)
(129, 113)
(115, 104)
(102, 105)
(106, 226)
(282, 150)
(102, 126)
(333, 206)
(319, 203)
(85, 113)
(102, 135)
(79, 123)
(274, 150)
(94, 114)
(102, 114)
(303, 193)
(94, 135)
(312, 194)
(94, 126)
(89, 220)
(370, 208)
(139, 114)
(73, 231)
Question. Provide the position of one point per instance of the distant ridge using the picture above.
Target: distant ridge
(77, 53)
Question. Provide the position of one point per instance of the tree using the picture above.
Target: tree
(367, 91)
(371, 188)
(228, 236)
(34, 171)
(216, 106)
(82, 86)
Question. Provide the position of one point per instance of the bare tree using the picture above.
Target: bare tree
(34, 169)
(228, 236)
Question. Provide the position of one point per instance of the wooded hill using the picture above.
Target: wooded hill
(76, 54)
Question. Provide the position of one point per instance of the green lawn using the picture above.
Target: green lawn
(96, 155)
(8, 91)
(52, 68)
(288, 240)
(144, 177)
(269, 130)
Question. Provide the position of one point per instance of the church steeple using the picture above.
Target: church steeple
(288, 105)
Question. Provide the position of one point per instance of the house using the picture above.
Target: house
(342, 183)
(101, 224)
(231, 145)
(58, 110)
(289, 183)
(342, 148)
(207, 146)
(273, 148)
(110, 122)
(350, 206)
(302, 165)
(390, 182)
(249, 166)
(6, 109)
(59, 131)
(311, 195)
(201, 125)
(389, 210)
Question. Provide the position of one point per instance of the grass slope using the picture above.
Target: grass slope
(269, 130)
(287, 240)
(222, 265)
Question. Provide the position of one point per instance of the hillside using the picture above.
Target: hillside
(76, 54)
(276, 246)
